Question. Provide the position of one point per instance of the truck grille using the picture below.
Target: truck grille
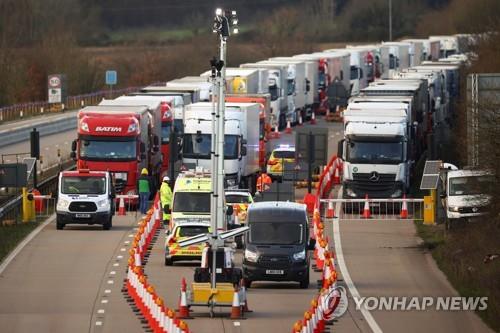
(82, 206)
(374, 184)
(274, 261)
(120, 185)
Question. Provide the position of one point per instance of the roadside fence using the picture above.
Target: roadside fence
(147, 302)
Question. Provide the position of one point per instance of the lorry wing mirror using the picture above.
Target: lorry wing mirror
(308, 85)
(73, 155)
(340, 149)
(244, 151)
(142, 148)
(229, 210)
(244, 141)
(312, 244)
(73, 145)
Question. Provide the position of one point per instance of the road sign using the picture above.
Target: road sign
(13, 175)
(56, 84)
(111, 78)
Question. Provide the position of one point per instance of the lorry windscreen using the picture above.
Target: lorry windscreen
(179, 126)
(192, 202)
(108, 149)
(198, 146)
(276, 233)
(166, 128)
(291, 87)
(384, 152)
(471, 185)
(354, 73)
(83, 185)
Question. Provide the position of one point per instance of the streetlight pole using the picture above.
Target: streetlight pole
(390, 20)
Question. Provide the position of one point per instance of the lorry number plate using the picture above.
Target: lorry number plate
(82, 215)
(275, 271)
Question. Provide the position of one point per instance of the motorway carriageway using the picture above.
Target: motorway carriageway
(71, 280)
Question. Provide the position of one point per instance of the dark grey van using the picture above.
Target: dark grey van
(277, 244)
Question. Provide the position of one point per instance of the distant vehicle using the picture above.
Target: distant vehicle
(181, 231)
(239, 200)
(276, 247)
(85, 197)
(465, 194)
(277, 159)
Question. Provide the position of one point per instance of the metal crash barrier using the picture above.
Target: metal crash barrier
(380, 209)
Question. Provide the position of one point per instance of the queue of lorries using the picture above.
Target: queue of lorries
(393, 94)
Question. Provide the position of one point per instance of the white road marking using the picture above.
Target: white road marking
(127, 242)
(123, 249)
(112, 273)
(345, 273)
(119, 257)
(98, 323)
(111, 281)
(47, 148)
(237, 323)
(25, 242)
(104, 301)
(116, 264)
(100, 311)
(107, 291)
(131, 235)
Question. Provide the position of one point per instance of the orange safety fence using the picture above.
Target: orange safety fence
(159, 317)
(320, 311)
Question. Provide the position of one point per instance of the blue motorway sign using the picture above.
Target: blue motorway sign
(111, 77)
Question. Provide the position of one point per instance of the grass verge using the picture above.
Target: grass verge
(461, 254)
(10, 236)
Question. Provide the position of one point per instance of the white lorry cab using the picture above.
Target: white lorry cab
(85, 197)
(465, 193)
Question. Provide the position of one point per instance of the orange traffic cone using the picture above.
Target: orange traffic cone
(244, 292)
(404, 209)
(121, 207)
(300, 120)
(297, 327)
(330, 212)
(366, 210)
(183, 306)
(313, 118)
(236, 307)
(288, 129)
(276, 132)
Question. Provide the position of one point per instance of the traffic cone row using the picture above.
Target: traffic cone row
(159, 318)
(121, 208)
(288, 129)
(275, 134)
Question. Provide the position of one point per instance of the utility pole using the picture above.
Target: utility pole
(390, 20)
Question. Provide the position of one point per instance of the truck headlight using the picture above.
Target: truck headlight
(62, 204)
(350, 193)
(453, 208)
(103, 203)
(299, 255)
(251, 256)
(398, 193)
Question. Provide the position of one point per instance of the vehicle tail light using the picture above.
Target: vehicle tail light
(171, 241)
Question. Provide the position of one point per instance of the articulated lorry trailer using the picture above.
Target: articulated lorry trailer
(277, 88)
(241, 141)
(377, 150)
(121, 140)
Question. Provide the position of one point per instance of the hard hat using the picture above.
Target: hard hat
(144, 171)
(166, 179)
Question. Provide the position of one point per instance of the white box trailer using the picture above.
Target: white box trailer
(338, 64)
(241, 141)
(448, 45)
(310, 84)
(203, 84)
(372, 60)
(243, 80)
(277, 87)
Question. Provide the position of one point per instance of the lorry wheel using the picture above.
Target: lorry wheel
(304, 284)
(168, 261)
(107, 225)
(59, 225)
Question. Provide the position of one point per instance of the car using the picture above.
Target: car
(239, 201)
(181, 231)
(284, 154)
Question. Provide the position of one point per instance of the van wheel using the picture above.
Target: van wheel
(59, 225)
(304, 284)
(107, 225)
